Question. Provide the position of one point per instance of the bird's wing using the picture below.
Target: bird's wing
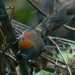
(49, 25)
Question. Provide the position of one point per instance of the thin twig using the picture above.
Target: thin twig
(9, 55)
(49, 54)
(18, 30)
(52, 61)
(19, 23)
(66, 40)
(37, 8)
(11, 16)
(3, 51)
(68, 27)
(18, 26)
(7, 8)
(1, 36)
(51, 47)
(61, 54)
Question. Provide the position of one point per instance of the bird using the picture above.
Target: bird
(31, 42)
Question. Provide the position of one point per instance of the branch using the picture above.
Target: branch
(52, 61)
(61, 54)
(7, 8)
(12, 8)
(37, 8)
(70, 28)
(9, 32)
(66, 40)
(11, 16)
(7, 27)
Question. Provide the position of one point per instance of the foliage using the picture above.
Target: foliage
(43, 72)
(59, 53)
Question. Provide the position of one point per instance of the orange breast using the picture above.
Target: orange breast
(25, 43)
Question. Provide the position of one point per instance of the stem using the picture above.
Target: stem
(70, 28)
(52, 61)
(8, 30)
(61, 55)
(62, 39)
(37, 8)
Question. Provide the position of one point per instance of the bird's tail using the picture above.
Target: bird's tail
(51, 23)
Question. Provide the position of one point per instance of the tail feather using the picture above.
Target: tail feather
(50, 24)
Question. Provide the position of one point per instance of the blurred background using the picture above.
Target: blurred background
(23, 11)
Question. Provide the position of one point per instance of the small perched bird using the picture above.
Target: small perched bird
(31, 43)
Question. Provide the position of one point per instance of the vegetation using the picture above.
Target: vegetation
(56, 30)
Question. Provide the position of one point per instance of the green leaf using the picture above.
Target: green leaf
(68, 56)
(43, 72)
